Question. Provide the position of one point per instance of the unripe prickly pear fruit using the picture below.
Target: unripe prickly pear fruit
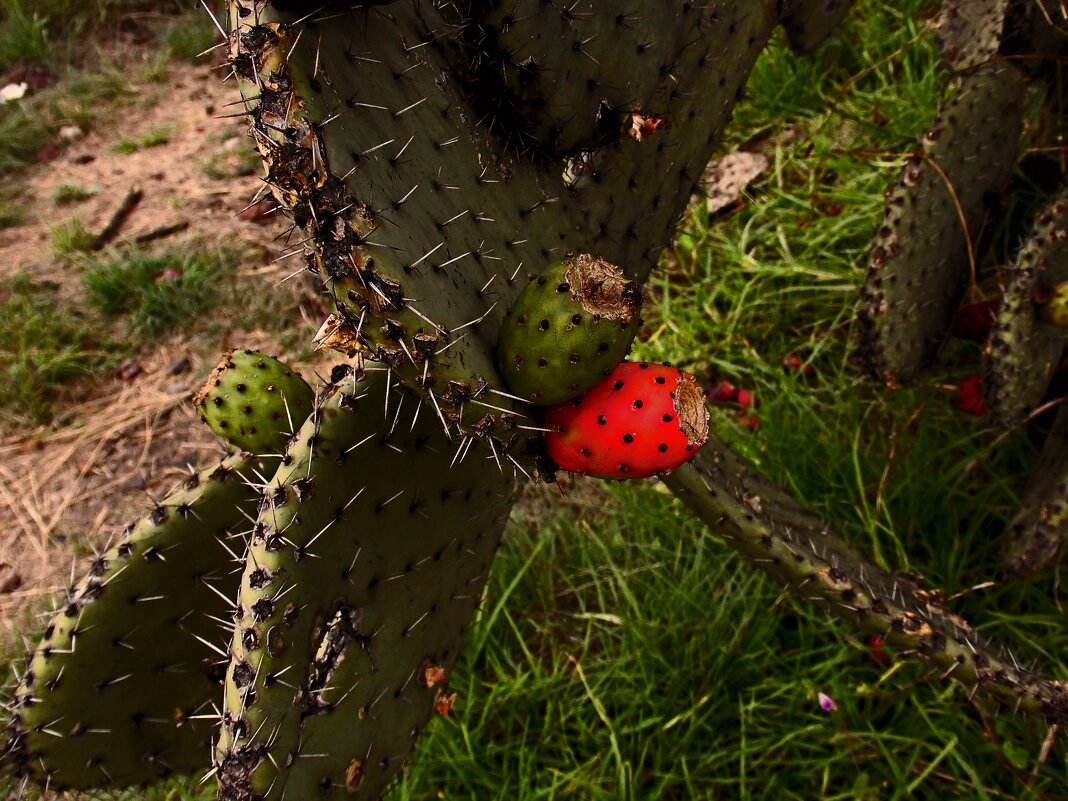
(567, 329)
(253, 401)
(643, 419)
(1054, 305)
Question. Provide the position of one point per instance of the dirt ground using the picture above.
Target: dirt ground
(67, 491)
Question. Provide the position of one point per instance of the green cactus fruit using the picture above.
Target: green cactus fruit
(1053, 305)
(1037, 530)
(254, 401)
(368, 560)
(567, 329)
(925, 251)
(121, 688)
(1025, 348)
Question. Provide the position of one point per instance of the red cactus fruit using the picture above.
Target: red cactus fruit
(970, 396)
(974, 321)
(641, 420)
(723, 392)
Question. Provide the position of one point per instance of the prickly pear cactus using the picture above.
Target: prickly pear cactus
(925, 250)
(1037, 531)
(122, 688)
(809, 23)
(1025, 349)
(425, 207)
(366, 564)
(254, 401)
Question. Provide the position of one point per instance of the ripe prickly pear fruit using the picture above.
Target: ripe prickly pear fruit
(643, 419)
(567, 329)
(1054, 306)
(253, 401)
(974, 321)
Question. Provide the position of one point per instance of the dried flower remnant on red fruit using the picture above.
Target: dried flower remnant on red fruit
(641, 420)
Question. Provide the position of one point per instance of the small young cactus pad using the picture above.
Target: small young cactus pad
(567, 329)
(254, 401)
(643, 419)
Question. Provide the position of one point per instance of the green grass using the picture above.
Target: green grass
(154, 137)
(70, 238)
(188, 38)
(155, 291)
(67, 194)
(44, 345)
(65, 36)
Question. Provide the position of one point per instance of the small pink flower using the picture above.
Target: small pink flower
(827, 703)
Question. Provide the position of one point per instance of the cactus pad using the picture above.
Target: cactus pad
(254, 401)
(970, 32)
(121, 689)
(1036, 532)
(365, 567)
(567, 330)
(924, 251)
(1025, 350)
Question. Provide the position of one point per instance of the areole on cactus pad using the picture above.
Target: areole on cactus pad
(643, 419)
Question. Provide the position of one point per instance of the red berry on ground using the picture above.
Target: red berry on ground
(795, 362)
(723, 392)
(641, 420)
(876, 644)
(745, 398)
(970, 396)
